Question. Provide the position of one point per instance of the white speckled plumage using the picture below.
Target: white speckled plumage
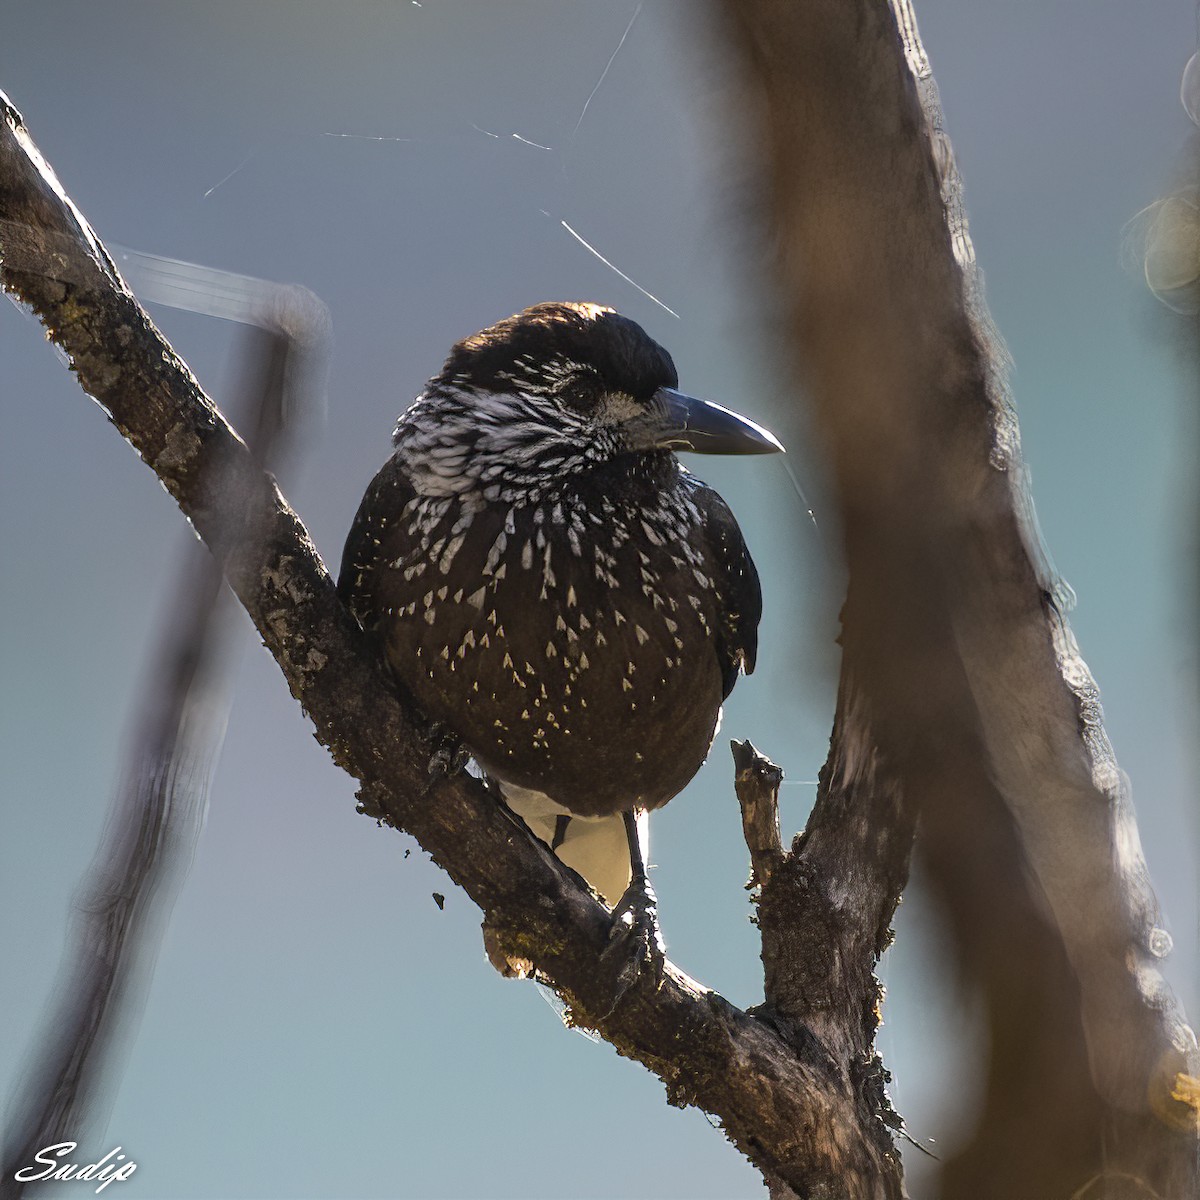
(552, 585)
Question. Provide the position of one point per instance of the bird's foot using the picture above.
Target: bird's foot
(635, 940)
(448, 754)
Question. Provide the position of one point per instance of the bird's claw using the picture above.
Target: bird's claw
(635, 940)
(449, 755)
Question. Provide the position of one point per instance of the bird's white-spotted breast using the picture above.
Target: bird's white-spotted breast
(543, 575)
(569, 640)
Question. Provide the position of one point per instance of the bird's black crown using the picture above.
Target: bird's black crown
(577, 352)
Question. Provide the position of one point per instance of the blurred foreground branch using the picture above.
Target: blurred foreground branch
(970, 688)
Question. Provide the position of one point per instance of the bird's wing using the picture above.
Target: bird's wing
(736, 581)
(368, 542)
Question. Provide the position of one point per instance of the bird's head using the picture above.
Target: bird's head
(556, 389)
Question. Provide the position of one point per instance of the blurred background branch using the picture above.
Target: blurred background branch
(158, 810)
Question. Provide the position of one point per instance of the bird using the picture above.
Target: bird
(550, 584)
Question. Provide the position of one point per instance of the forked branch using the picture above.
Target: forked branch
(768, 1080)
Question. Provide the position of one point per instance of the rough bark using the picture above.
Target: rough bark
(781, 1098)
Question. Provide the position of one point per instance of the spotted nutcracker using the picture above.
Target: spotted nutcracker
(549, 582)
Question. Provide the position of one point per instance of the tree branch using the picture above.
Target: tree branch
(769, 1082)
(756, 780)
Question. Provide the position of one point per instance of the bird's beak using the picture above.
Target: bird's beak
(691, 424)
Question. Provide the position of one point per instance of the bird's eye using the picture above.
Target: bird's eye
(581, 390)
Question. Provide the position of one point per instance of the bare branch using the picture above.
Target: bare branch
(768, 1082)
(756, 780)
(824, 909)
